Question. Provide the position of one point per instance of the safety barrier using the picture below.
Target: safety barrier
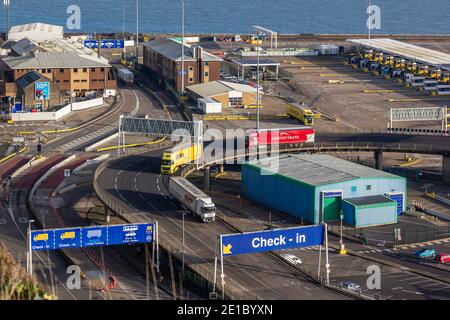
(421, 131)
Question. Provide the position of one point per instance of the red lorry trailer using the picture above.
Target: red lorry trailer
(284, 136)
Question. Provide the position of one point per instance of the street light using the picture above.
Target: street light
(29, 251)
(341, 241)
(182, 47)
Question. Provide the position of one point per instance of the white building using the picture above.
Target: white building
(37, 32)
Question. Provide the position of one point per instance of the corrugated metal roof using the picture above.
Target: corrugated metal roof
(318, 170)
(53, 60)
(363, 201)
(172, 50)
(214, 88)
(406, 50)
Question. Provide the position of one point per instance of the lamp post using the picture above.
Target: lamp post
(182, 47)
(341, 240)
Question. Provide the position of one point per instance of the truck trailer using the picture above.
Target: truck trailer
(195, 200)
(266, 138)
(125, 75)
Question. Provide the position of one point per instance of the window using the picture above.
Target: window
(77, 81)
(92, 69)
(191, 68)
(84, 69)
(102, 69)
(235, 101)
(49, 70)
(354, 189)
(191, 79)
(368, 187)
(61, 70)
(83, 80)
(75, 70)
(66, 80)
(206, 63)
(206, 74)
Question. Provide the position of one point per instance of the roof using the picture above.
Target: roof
(36, 31)
(214, 88)
(28, 78)
(321, 169)
(369, 200)
(23, 47)
(172, 50)
(405, 50)
(53, 60)
(254, 62)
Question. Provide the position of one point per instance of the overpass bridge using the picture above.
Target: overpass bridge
(378, 143)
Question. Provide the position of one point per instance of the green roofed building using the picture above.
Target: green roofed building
(318, 188)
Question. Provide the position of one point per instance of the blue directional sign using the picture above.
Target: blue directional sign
(272, 240)
(130, 234)
(54, 239)
(67, 238)
(105, 44)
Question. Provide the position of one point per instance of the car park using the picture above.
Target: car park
(425, 253)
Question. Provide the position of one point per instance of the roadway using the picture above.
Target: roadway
(50, 268)
(135, 182)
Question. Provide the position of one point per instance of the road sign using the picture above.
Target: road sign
(54, 239)
(105, 44)
(271, 240)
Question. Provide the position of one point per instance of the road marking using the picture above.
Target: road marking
(422, 281)
(408, 279)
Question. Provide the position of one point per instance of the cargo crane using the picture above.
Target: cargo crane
(435, 73)
(411, 67)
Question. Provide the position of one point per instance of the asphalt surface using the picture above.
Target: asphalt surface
(137, 184)
(50, 268)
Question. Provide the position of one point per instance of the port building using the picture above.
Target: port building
(163, 59)
(228, 94)
(318, 188)
(68, 67)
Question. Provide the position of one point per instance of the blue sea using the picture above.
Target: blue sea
(238, 16)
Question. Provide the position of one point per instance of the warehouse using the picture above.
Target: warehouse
(314, 188)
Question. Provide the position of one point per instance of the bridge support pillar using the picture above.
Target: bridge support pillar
(446, 168)
(378, 154)
(207, 178)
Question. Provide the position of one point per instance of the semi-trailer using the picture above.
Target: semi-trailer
(193, 199)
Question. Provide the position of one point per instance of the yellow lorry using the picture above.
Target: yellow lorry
(175, 157)
(306, 116)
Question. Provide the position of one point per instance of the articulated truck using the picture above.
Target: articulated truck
(178, 156)
(195, 200)
(125, 75)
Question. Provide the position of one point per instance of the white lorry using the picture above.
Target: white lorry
(125, 75)
(192, 198)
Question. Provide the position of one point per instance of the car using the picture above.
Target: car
(351, 286)
(291, 258)
(443, 258)
(425, 253)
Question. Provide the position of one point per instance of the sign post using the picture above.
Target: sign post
(327, 263)
(222, 274)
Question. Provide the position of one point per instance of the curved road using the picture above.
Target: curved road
(137, 184)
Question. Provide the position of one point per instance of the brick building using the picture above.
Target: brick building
(162, 58)
(71, 71)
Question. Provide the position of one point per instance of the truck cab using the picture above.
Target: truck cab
(206, 210)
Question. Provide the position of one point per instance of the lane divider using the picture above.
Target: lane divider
(134, 145)
(410, 163)
(13, 155)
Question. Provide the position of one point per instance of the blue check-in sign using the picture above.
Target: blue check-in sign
(272, 240)
(54, 239)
